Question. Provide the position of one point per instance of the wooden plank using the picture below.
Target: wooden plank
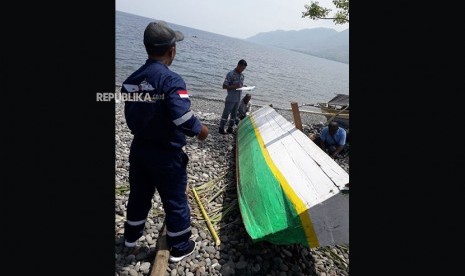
(337, 174)
(325, 163)
(296, 114)
(342, 115)
(336, 114)
(302, 172)
(274, 139)
(160, 263)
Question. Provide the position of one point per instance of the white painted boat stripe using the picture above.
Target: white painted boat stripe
(284, 152)
(287, 145)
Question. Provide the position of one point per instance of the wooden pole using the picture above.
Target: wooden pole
(296, 113)
(160, 263)
(334, 116)
(315, 112)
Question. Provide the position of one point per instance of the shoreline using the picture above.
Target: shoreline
(256, 106)
(211, 170)
(214, 108)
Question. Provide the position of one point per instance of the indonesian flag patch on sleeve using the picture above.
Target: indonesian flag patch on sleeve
(183, 94)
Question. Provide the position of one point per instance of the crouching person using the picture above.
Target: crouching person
(332, 140)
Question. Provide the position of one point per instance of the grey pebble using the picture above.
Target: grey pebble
(194, 231)
(149, 239)
(141, 256)
(228, 269)
(130, 258)
(287, 252)
(144, 267)
(211, 249)
(241, 265)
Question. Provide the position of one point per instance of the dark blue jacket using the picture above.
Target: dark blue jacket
(167, 119)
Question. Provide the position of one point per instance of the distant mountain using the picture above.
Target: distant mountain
(320, 42)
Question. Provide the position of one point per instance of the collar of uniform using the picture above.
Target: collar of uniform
(151, 61)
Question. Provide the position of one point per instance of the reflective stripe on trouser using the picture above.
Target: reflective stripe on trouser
(230, 108)
(165, 171)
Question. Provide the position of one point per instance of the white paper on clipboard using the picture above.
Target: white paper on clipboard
(246, 88)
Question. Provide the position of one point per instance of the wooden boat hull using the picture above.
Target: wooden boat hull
(338, 105)
(289, 190)
(344, 113)
(342, 118)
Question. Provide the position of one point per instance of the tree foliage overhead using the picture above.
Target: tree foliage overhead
(315, 11)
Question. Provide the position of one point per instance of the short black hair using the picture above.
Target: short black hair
(242, 62)
(333, 125)
(158, 50)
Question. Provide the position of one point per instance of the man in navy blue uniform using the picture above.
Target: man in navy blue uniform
(157, 160)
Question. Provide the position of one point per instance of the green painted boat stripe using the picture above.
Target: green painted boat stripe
(266, 211)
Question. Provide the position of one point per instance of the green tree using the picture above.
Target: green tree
(315, 11)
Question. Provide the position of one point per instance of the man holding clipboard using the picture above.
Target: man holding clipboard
(233, 81)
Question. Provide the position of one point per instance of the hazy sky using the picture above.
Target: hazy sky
(240, 18)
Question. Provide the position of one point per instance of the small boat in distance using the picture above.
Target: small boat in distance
(338, 109)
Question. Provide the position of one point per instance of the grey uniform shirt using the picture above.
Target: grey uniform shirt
(232, 78)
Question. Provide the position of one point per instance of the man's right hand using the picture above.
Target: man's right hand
(203, 133)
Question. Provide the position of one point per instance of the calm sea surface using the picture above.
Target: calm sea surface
(204, 58)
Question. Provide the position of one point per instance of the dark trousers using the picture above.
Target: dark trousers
(230, 108)
(330, 149)
(152, 168)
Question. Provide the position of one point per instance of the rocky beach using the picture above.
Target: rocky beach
(211, 170)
